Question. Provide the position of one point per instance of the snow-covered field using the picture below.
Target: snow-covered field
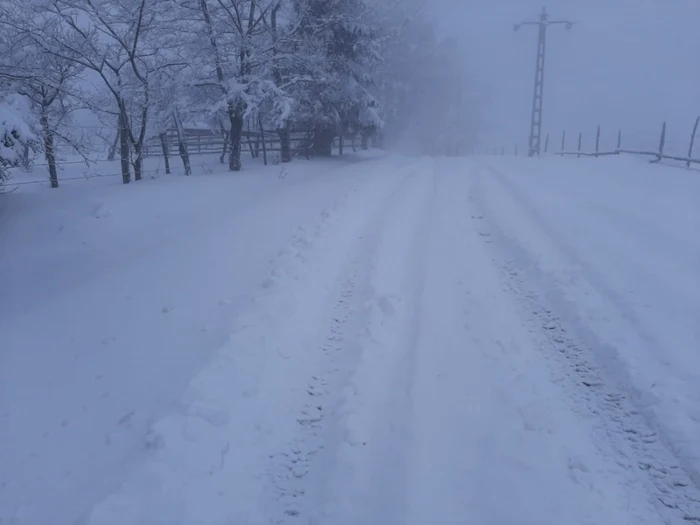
(378, 340)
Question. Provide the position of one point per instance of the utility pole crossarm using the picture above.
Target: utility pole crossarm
(566, 23)
(536, 120)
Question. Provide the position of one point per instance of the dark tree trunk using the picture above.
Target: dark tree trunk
(340, 143)
(185, 156)
(49, 151)
(124, 147)
(285, 145)
(323, 142)
(182, 145)
(365, 141)
(166, 153)
(138, 164)
(234, 163)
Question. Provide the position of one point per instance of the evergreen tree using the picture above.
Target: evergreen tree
(344, 37)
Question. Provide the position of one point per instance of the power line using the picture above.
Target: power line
(536, 119)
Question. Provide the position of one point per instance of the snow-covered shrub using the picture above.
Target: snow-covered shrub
(15, 133)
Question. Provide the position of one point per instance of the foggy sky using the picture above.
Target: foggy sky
(627, 63)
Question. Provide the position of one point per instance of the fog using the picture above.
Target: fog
(627, 64)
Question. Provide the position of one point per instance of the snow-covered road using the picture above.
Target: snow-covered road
(438, 341)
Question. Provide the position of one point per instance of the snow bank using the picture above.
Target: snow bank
(113, 297)
(618, 236)
(219, 456)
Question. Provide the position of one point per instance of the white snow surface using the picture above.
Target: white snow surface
(378, 340)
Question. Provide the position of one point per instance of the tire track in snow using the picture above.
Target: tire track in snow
(301, 472)
(352, 463)
(596, 391)
(292, 470)
(289, 470)
(396, 330)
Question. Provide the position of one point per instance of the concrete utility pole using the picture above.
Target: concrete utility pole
(536, 121)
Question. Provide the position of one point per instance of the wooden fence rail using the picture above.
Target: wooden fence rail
(201, 143)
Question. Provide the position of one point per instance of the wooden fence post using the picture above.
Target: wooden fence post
(249, 134)
(563, 140)
(597, 141)
(227, 139)
(662, 142)
(619, 141)
(692, 140)
(580, 143)
(546, 143)
(164, 145)
(262, 139)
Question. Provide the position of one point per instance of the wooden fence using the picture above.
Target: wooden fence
(203, 142)
(661, 152)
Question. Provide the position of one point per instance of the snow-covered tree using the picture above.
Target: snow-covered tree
(125, 43)
(327, 67)
(343, 39)
(51, 85)
(228, 72)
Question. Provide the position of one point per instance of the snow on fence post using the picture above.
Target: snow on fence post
(597, 141)
(692, 140)
(563, 140)
(580, 143)
(546, 143)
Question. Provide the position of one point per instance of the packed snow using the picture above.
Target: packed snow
(372, 339)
